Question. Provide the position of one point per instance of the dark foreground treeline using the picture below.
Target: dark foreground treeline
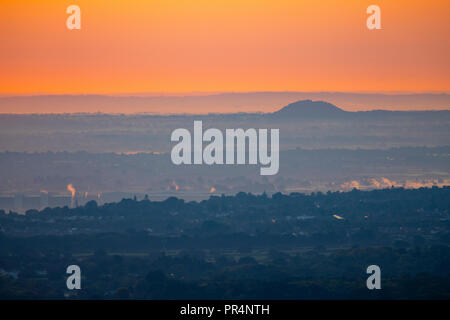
(281, 247)
(411, 273)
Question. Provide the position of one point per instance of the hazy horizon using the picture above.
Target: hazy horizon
(227, 102)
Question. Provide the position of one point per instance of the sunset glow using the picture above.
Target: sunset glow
(185, 46)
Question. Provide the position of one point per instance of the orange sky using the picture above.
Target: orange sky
(223, 45)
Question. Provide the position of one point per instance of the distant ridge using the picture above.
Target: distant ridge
(248, 102)
(309, 109)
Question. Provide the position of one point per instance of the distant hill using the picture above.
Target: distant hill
(309, 109)
(248, 102)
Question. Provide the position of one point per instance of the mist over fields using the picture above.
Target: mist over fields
(107, 157)
(305, 124)
(160, 150)
(100, 190)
